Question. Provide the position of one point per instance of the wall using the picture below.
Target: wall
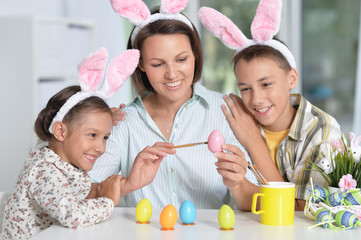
(109, 34)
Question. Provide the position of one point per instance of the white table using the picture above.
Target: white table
(122, 225)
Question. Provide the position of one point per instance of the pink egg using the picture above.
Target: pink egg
(215, 141)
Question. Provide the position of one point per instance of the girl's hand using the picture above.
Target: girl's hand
(146, 164)
(118, 114)
(231, 166)
(242, 122)
(111, 188)
(93, 193)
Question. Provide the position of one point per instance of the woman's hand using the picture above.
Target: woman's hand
(118, 114)
(231, 165)
(146, 165)
(242, 122)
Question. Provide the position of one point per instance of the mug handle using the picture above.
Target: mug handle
(254, 203)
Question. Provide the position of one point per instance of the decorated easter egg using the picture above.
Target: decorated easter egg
(346, 219)
(353, 198)
(215, 141)
(143, 211)
(187, 212)
(168, 217)
(335, 199)
(324, 216)
(226, 217)
(319, 194)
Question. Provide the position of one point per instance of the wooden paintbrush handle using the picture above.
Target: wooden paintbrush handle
(189, 145)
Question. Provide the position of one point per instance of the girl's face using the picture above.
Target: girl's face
(265, 90)
(169, 63)
(86, 142)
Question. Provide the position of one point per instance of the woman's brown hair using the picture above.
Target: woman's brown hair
(165, 26)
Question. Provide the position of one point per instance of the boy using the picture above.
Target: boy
(294, 130)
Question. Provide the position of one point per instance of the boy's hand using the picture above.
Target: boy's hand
(248, 133)
(242, 122)
(118, 114)
(111, 188)
(146, 164)
(231, 166)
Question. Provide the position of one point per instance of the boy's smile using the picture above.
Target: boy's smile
(265, 90)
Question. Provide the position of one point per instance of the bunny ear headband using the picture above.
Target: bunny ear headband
(90, 75)
(137, 12)
(265, 25)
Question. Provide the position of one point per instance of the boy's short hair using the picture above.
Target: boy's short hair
(262, 51)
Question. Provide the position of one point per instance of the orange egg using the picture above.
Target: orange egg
(168, 217)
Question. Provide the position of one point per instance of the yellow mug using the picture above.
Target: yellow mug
(277, 206)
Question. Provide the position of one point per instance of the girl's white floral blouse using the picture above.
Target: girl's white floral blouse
(50, 190)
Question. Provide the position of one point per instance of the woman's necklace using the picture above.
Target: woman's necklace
(165, 125)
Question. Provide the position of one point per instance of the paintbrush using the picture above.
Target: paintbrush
(258, 175)
(189, 145)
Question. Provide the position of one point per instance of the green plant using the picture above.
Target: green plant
(340, 163)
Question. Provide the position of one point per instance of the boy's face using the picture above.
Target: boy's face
(265, 90)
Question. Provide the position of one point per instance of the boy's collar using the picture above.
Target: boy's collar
(298, 131)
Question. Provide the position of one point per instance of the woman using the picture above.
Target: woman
(172, 107)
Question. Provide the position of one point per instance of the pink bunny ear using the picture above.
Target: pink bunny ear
(173, 6)
(352, 137)
(91, 70)
(222, 27)
(358, 140)
(266, 23)
(136, 11)
(119, 70)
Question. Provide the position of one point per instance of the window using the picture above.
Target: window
(330, 35)
(218, 69)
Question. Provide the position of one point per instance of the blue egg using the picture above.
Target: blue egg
(187, 212)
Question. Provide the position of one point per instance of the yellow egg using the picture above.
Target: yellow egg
(143, 211)
(226, 217)
(168, 217)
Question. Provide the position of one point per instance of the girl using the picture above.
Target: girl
(53, 186)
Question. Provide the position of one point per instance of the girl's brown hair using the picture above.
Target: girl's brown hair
(73, 117)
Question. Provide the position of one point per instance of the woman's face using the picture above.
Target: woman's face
(169, 63)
